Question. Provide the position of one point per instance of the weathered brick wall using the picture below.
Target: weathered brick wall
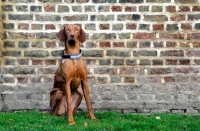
(142, 55)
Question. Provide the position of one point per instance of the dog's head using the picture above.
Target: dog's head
(71, 34)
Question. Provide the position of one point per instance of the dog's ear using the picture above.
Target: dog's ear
(61, 35)
(83, 36)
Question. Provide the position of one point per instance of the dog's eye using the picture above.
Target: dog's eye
(67, 30)
(76, 29)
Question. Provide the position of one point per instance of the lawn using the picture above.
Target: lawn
(108, 121)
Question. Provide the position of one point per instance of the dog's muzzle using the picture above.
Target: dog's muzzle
(71, 42)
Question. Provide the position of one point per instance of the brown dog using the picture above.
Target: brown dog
(66, 95)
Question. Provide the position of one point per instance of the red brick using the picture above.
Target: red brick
(104, 44)
(196, 44)
(187, 70)
(23, 61)
(179, 36)
(50, 27)
(131, 26)
(186, 26)
(104, 26)
(169, 79)
(178, 18)
(171, 9)
(22, 79)
(177, 53)
(50, 44)
(126, 70)
(158, 27)
(130, 8)
(195, 36)
(184, 9)
(171, 44)
(49, 8)
(118, 44)
(157, 62)
(117, 8)
(171, 62)
(153, 71)
(23, 26)
(37, 62)
(50, 62)
(196, 8)
(144, 35)
(129, 80)
(185, 45)
(184, 62)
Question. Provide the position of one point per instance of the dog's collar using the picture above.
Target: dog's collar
(72, 57)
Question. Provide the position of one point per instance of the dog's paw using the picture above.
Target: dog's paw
(94, 118)
(71, 122)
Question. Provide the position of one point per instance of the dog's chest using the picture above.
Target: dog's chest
(75, 83)
(74, 69)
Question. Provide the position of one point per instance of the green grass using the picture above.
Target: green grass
(108, 121)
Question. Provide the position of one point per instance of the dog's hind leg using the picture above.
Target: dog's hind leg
(76, 99)
(57, 102)
(62, 107)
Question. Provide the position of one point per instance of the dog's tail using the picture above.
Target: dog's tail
(56, 97)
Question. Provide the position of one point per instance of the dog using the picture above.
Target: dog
(66, 94)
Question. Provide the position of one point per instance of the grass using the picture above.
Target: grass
(108, 121)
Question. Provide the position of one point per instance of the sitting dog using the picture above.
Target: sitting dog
(66, 94)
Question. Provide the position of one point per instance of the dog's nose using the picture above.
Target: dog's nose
(72, 36)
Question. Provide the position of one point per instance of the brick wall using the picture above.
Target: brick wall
(142, 56)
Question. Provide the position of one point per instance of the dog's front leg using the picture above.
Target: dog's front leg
(87, 99)
(69, 107)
